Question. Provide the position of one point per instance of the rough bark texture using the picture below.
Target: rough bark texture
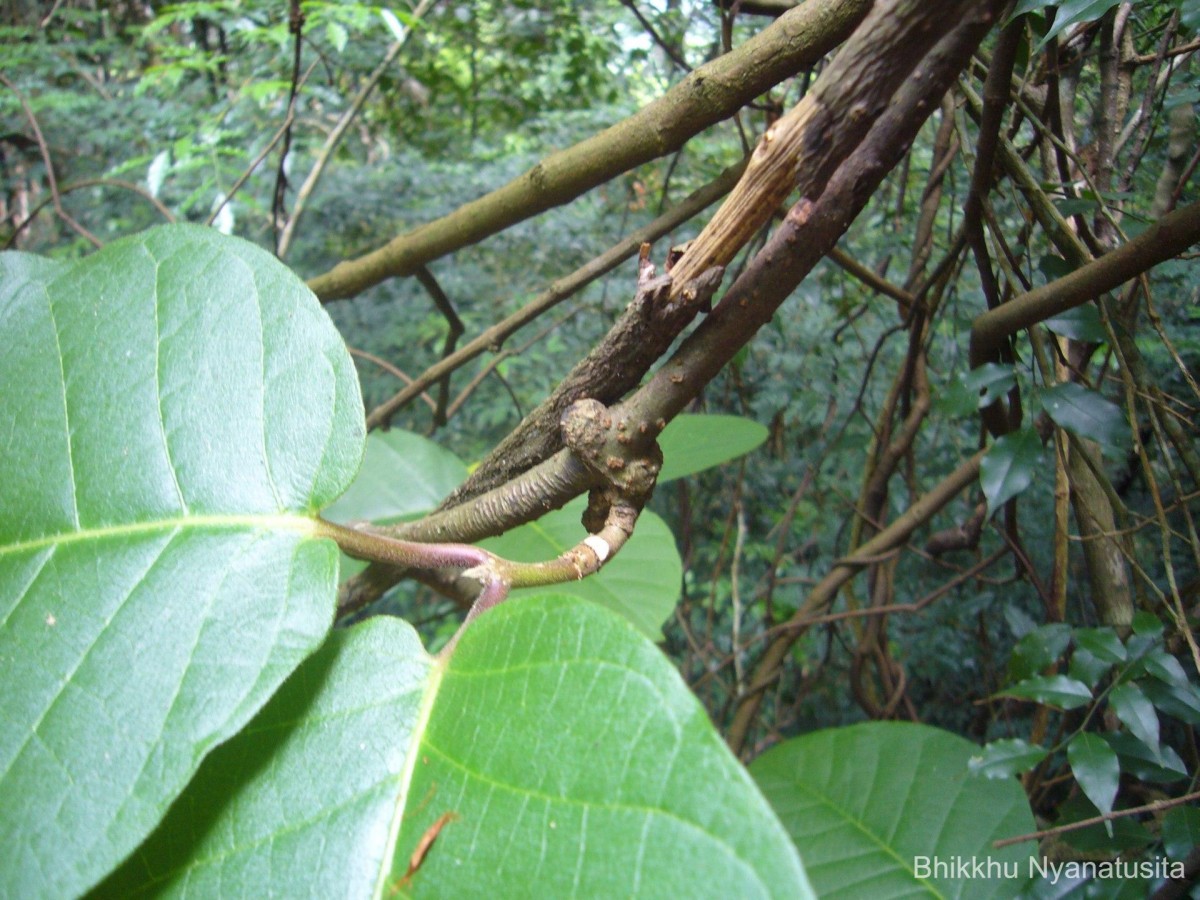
(614, 367)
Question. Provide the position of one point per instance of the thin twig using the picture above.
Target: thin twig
(1155, 806)
(392, 370)
(455, 329)
(339, 131)
(86, 183)
(49, 163)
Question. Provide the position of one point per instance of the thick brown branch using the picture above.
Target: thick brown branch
(708, 95)
(614, 367)
(753, 299)
(808, 232)
(801, 150)
(1166, 238)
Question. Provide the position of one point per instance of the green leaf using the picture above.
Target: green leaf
(1081, 324)
(692, 443)
(1069, 14)
(180, 406)
(1054, 690)
(1180, 701)
(1087, 667)
(989, 382)
(875, 805)
(1073, 206)
(337, 35)
(403, 475)
(572, 745)
(1166, 668)
(540, 745)
(1038, 649)
(1085, 413)
(1006, 757)
(1096, 769)
(1102, 643)
(1162, 765)
(314, 780)
(1009, 467)
(642, 582)
(1054, 267)
(1132, 708)
(1181, 831)
(391, 20)
(1146, 623)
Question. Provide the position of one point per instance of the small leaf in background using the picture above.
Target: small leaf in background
(1189, 15)
(1069, 13)
(642, 582)
(1006, 757)
(1081, 324)
(1103, 643)
(1166, 668)
(1055, 690)
(692, 443)
(1087, 667)
(1076, 206)
(955, 399)
(1095, 767)
(157, 172)
(1054, 267)
(162, 578)
(337, 35)
(1181, 832)
(1038, 649)
(1087, 414)
(1020, 623)
(392, 21)
(224, 220)
(1147, 623)
(1009, 467)
(403, 475)
(1162, 766)
(988, 383)
(1180, 701)
(1132, 708)
(871, 803)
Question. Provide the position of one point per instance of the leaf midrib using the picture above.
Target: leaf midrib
(256, 522)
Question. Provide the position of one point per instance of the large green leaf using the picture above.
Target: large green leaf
(302, 803)
(642, 582)
(177, 406)
(692, 443)
(558, 749)
(877, 806)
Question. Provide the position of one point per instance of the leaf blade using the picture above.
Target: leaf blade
(167, 577)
